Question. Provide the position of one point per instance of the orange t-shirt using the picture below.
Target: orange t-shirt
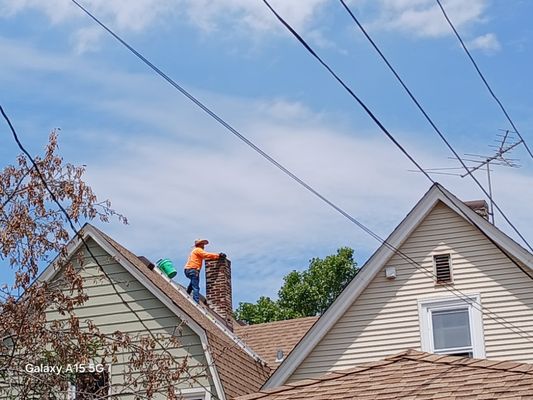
(197, 256)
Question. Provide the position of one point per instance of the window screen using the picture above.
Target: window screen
(452, 325)
(451, 329)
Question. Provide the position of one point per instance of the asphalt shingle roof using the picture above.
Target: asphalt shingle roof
(266, 339)
(414, 375)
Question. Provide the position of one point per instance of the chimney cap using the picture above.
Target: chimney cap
(480, 207)
(474, 204)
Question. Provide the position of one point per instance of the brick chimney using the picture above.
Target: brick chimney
(480, 207)
(218, 289)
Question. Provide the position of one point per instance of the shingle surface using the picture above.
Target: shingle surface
(266, 339)
(414, 375)
(239, 372)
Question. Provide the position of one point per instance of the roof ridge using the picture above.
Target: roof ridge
(280, 322)
(330, 376)
(511, 366)
(209, 314)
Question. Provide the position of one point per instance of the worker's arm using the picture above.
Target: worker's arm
(206, 255)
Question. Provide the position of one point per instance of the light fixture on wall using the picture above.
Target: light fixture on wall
(390, 272)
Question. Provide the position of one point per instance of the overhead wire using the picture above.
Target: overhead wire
(78, 234)
(419, 106)
(275, 162)
(500, 104)
(388, 134)
(360, 102)
(225, 124)
(428, 118)
(62, 209)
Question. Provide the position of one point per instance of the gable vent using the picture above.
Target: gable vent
(443, 268)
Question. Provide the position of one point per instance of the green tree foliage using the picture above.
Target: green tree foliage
(305, 293)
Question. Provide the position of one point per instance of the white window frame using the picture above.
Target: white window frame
(471, 303)
(194, 393)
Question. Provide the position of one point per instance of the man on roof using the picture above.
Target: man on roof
(194, 265)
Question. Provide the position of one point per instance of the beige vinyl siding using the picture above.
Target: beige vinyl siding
(109, 313)
(384, 320)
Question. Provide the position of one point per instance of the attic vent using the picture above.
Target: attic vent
(443, 267)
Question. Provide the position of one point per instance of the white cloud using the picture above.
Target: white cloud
(87, 39)
(124, 14)
(136, 16)
(253, 212)
(26, 58)
(215, 186)
(121, 15)
(488, 43)
(423, 18)
(254, 15)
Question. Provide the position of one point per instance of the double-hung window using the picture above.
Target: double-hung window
(452, 326)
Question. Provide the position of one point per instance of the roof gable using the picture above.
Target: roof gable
(220, 345)
(415, 217)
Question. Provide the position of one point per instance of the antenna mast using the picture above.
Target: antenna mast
(506, 143)
(497, 158)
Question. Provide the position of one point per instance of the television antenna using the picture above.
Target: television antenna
(506, 142)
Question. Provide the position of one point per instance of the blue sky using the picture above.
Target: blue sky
(177, 175)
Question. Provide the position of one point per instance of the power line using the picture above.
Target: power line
(279, 165)
(78, 234)
(361, 103)
(483, 78)
(374, 118)
(63, 211)
(226, 124)
(244, 138)
(429, 119)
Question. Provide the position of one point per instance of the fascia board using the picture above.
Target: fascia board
(51, 271)
(514, 249)
(212, 367)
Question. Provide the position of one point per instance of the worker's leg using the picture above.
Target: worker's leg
(195, 284)
(194, 276)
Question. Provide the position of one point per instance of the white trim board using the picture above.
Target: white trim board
(376, 262)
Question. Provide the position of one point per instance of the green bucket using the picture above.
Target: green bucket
(166, 266)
